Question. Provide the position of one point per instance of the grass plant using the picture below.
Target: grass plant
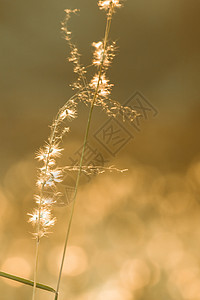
(95, 91)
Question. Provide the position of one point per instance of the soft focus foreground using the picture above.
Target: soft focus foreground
(135, 235)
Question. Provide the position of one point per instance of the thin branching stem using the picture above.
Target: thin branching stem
(39, 214)
(51, 141)
(109, 19)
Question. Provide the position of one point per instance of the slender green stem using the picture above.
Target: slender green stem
(27, 282)
(83, 150)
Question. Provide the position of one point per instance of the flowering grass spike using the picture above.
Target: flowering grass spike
(106, 4)
(95, 91)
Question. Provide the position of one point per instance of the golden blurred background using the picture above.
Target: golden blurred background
(135, 235)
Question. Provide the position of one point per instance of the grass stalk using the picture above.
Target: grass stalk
(108, 24)
(51, 141)
(35, 268)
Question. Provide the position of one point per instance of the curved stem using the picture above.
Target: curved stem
(51, 141)
(109, 18)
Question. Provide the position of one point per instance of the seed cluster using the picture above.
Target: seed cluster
(93, 91)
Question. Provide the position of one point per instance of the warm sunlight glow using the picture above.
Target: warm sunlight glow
(18, 266)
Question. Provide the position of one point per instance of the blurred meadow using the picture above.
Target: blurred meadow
(135, 235)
